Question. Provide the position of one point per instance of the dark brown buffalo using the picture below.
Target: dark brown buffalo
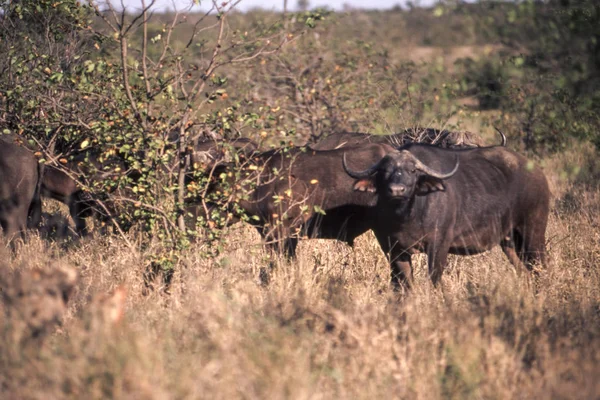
(19, 191)
(442, 201)
(441, 138)
(283, 192)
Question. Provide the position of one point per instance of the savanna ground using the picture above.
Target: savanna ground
(327, 324)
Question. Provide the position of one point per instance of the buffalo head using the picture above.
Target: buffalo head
(399, 176)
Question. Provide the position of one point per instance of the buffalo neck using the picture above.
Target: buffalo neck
(398, 210)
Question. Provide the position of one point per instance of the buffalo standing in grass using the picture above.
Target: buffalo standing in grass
(19, 190)
(441, 201)
(284, 192)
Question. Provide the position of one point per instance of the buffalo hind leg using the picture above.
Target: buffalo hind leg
(436, 262)
(512, 246)
(80, 209)
(533, 252)
(34, 214)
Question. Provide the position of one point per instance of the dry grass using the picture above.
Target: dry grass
(327, 325)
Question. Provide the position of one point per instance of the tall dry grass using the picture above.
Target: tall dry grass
(327, 325)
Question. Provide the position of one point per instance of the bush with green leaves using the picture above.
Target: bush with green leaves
(115, 100)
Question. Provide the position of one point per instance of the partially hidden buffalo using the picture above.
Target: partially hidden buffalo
(59, 183)
(299, 192)
(20, 204)
(442, 201)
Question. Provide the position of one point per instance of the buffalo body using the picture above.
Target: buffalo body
(286, 192)
(19, 192)
(442, 201)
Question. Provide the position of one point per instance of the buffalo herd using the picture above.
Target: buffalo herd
(427, 190)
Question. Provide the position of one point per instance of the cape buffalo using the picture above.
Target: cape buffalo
(59, 183)
(285, 192)
(442, 201)
(19, 190)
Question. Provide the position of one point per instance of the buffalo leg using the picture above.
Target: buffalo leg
(34, 217)
(287, 247)
(533, 231)
(402, 271)
(78, 220)
(80, 207)
(13, 224)
(278, 246)
(7, 226)
(436, 262)
(400, 263)
(512, 247)
(534, 247)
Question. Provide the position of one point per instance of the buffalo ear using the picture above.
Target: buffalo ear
(365, 185)
(429, 184)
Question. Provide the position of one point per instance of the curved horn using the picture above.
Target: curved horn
(503, 144)
(431, 172)
(360, 174)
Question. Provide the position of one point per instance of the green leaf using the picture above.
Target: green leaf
(319, 210)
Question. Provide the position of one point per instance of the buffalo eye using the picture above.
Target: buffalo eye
(412, 171)
(398, 173)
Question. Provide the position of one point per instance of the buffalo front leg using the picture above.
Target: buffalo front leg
(400, 262)
(13, 225)
(402, 271)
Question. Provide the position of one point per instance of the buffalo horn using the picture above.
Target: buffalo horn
(431, 172)
(360, 174)
(503, 144)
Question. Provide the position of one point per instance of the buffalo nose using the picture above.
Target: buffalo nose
(396, 190)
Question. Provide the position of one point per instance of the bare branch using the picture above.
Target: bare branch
(196, 31)
(101, 15)
(114, 14)
(140, 15)
(126, 78)
(144, 58)
(167, 44)
(200, 83)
